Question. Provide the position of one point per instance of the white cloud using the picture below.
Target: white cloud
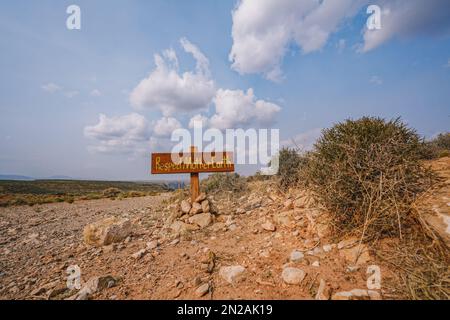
(171, 92)
(304, 141)
(71, 94)
(123, 134)
(263, 29)
(165, 126)
(376, 80)
(406, 19)
(448, 64)
(341, 45)
(96, 93)
(51, 87)
(199, 118)
(235, 108)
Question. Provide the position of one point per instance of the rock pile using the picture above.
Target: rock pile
(191, 216)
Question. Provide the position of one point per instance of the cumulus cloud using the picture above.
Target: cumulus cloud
(96, 93)
(200, 119)
(406, 19)
(165, 126)
(263, 29)
(304, 141)
(171, 92)
(236, 108)
(51, 87)
(123, 134)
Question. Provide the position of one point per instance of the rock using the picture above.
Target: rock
(181, 227)
(241, 211)
(218, 226)
(109, 248)
(201, 197)
(322, 292)
(357, 255)
(327, 247)
(296, 256)
(138, 255)
(292, 275)
(202, 290)
(185, 206)
(196, 208)
(357, 294)
(316, 264)
(95, 284)
(107, 231)
(283, 218)
(205, 206)
(231, 274)
(152, 245)
(202, 220)
(268, 226)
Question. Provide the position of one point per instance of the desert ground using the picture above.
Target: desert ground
(266, 244)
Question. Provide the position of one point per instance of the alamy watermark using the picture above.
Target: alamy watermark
(251, 146)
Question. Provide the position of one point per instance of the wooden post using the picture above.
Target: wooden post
(195, 179)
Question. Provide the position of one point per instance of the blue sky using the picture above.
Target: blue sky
(55, 82)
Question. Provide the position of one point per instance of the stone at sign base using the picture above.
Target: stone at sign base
(202, 220)
(107, 231)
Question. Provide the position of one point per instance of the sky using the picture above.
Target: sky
(94, 103)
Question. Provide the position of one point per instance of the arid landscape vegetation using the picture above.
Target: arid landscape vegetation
(370, 196)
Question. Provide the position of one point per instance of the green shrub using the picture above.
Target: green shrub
(367, 173)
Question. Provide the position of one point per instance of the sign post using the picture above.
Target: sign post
(194, 164)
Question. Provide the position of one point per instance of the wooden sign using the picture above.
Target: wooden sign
(194, 163)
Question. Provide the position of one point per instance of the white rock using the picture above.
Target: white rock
(327, 247)
(316, 264)
(232, 273)
(138, 255)
(268, 226)
(202, 220)
(107, 231)
(202, 290)
(322, 291)
(196, 208)
(357, 294)
(185, 206)
(292, 275)
(205, 206)
(94, 285)
(152, 245)
(296, 256)
(201, 197)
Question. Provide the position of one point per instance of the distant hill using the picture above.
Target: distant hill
(58, 178)
(15, 177)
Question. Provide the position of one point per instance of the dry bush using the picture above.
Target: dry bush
(437, 148)
(111, 192)
(290, 162)
(422, 266)
(367, 173)
(220, 182)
